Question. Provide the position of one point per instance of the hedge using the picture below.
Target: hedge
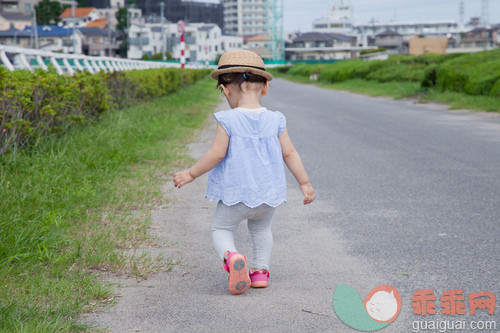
(34, 105)
(474, 74)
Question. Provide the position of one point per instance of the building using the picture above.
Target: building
(246, 18)
(106, 3)
(419, 46)
(319, 46)
(99, 42)
(176, 10)
(407, 30)
(203, 41)
(339, 19)
(391, 41)
(480, 38)
(54, 38)
(260, 44)
(16, 37)
(230, 42)
(13, 20)
(19, 6)
(79, 17)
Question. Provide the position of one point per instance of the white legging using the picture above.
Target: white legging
(228, 218)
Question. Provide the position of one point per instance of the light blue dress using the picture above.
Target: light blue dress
(252, 172)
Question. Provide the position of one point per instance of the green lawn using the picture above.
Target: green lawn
(75, 205)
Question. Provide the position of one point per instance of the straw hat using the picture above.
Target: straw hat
(241, 61)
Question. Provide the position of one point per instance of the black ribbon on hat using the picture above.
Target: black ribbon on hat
(231, 66)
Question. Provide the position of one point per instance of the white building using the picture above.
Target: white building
(245, 17)
(143, 39)
(202, 41)
(229, 43)
(79, 17)
(339, 20)
(408, 30)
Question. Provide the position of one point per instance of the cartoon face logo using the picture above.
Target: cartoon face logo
(380, 308)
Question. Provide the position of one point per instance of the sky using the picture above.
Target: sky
(299, 14)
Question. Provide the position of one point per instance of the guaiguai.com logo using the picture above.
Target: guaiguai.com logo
(380, 308)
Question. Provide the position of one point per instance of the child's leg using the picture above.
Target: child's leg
(259, 226)
(226, 221)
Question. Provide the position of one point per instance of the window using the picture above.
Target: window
(27, 7)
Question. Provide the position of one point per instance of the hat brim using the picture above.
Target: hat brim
(215, 74)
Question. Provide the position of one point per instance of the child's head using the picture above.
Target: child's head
(242, 76)
(239, 66)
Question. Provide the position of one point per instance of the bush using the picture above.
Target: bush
(282, 69)
(474, 74)
(33, 105)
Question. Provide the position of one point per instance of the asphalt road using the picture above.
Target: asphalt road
(407, 195)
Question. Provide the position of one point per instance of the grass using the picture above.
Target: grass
(399, 90)
(77, 205)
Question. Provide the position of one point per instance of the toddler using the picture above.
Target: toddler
(247, 176)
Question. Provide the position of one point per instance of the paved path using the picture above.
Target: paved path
(407, 195)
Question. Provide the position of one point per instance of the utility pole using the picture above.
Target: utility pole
(163, 48)
(35, 29)
(109, 31)
(462, 16)
(74, 25)
(485, 13)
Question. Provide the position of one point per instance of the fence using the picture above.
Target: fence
(14, 58)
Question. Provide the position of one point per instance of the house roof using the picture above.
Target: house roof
(206, 27)
(389, 33)
(79, 12)
(99, 23)
(313, 36)
(51, 31)
(15, 32)
(342, 38)
(258, 38)
(13, 16)
(93, 31)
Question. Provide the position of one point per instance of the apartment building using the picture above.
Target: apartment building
(246, 17)
(21, 6)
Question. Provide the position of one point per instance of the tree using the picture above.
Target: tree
(47, 12)
(122, 25)
(121, 16)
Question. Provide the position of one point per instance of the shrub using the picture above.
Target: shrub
(474, 74)
(33, 105)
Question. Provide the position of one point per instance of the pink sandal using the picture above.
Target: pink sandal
(239, 280)
(259, 278)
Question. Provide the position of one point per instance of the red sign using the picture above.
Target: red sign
(181, 26)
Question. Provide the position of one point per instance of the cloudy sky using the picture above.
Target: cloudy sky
(299, 14)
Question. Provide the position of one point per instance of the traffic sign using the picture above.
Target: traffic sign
(181, 26)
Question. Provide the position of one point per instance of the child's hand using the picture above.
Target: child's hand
(308, 192)
(182, 178)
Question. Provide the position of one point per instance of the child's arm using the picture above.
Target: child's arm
(294, 163)
(209, 161)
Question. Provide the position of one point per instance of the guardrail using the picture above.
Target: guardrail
(14, 58)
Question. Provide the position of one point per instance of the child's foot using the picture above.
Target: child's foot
(259, 278)
(239, 280)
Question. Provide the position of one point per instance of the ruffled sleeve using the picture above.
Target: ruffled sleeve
(221, 117)
(282, 123)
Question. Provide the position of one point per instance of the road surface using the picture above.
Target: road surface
(407, 195)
